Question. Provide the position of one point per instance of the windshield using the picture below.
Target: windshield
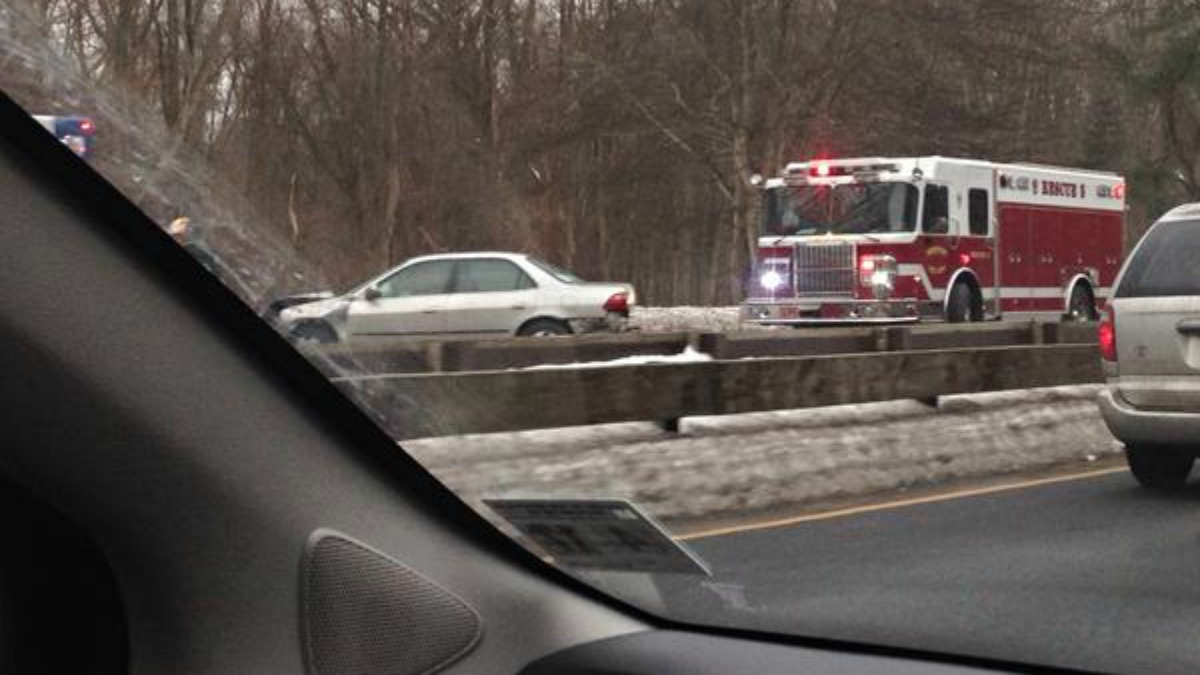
(1167, 263)
(854, 208)
(796, 439)
(557, 272)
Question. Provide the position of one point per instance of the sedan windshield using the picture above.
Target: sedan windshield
(854, 208)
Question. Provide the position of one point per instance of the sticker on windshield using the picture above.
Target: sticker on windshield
(599, 534)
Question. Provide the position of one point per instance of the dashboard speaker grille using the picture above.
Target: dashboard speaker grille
(365, 613)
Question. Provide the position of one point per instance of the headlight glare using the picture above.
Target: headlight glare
(771, 280)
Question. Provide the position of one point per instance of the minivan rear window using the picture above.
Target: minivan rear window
(1166, 263)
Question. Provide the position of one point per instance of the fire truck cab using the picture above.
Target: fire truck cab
(908, 239)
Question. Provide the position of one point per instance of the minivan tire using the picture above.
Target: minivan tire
(1158, 467)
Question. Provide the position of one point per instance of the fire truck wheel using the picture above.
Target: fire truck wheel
(958, 309)
(1159, 468)
(1081, 306)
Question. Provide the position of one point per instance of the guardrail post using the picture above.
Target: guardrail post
(892, 338)
(898, 338)
(435, 357)
(1052, 333)
(712, 344)
(1037, 332)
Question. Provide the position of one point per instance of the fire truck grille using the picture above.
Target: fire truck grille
(826, 269)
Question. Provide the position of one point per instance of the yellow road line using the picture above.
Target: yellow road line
(869, 508)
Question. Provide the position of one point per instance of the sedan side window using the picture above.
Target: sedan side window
(427, 278)
(489, 276)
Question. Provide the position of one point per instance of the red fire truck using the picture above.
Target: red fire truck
(907, 239)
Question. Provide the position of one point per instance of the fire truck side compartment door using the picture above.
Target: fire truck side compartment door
(1014, 249)
(1045, 239)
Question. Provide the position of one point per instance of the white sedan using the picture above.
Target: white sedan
(464, 295)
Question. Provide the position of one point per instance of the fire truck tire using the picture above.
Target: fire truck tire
(1082, 304)
(1159, 468)
(960, 306)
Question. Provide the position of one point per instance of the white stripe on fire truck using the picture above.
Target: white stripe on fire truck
(918, 270)
(1043, 292)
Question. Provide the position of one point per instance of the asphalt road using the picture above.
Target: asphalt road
(1093, 573)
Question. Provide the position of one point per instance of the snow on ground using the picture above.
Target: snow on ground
(687, 319)
(722, 466)
(688, 355)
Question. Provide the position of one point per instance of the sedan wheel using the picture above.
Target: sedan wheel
(544, 328)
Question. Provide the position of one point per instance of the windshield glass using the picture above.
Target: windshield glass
(1167, 263)
(855, 208)
(557, 272)
(797, 438)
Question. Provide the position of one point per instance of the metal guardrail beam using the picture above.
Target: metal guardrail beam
(407, 356)
(412, 406)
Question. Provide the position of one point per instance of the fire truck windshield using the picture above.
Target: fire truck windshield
(854, 208)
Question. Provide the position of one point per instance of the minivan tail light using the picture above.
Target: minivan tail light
(1107, 334)
(617, 302)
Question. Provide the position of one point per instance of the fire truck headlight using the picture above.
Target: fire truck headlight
(882, 283)
(878, 272)
(771, 280)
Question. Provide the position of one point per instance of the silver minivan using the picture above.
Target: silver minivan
(1150, 341)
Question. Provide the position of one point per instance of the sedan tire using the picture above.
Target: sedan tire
(544, 328)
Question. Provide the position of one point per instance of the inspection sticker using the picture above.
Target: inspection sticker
(599, 534)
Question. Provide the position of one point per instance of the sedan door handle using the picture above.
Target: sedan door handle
(519, 307)
(432, 310)
(1188, 326)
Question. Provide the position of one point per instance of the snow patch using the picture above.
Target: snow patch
(688, 355)
(688, 320)
(722, 466)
